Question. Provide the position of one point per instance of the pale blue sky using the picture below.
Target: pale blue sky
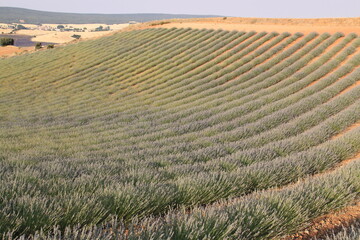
(239, 8)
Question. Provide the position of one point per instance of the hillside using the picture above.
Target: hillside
(306, 25)
(14, 15)
(180, 134)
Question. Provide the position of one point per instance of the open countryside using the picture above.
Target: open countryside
(212, 128)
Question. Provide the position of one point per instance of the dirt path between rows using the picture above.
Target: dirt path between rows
(328, 224)
(335, 221)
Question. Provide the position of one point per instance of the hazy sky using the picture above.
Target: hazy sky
(239, 8)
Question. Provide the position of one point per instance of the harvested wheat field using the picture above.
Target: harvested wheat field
(164, 132)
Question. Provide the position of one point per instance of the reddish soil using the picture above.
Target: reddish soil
(329, 223)
(341, 64)
(335, 221)
(330, 25)
(349, 88)
(12, 50)
(349, 128)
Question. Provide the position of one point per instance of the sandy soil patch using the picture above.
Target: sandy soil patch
(330, 25)
(329, 223)
(59, 37)
(5, 31)
(12, 50)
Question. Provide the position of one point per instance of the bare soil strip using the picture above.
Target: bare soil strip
(327, 224)
(352, 126)
(349, 88)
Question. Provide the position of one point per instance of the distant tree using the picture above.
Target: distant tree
(60, 27)
(6, 41)
(50, 46)
(19, 27)
(100, 28)
(38, 46)
(76, 36)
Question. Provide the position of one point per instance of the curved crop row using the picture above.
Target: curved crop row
(140, 125)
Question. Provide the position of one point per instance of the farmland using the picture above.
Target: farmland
(21, 40)
(180, 133)
(26, 39)
(14, 14)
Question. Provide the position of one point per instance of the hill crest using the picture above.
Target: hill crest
(14, 15)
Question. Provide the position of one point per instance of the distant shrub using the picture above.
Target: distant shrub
(38, 46)
(6, 41)
(19, 27)
(224, 18)
(60, 27)
(101, 28)
(76, 36)
(159, 23)
(50, 46)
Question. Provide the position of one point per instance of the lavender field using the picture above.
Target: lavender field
(179, 134)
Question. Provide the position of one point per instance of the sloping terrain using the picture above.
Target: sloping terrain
(305, 25)
(180, 134)
(14, 15)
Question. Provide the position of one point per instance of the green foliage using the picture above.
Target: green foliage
(20, 27)
(38, 46)
(6, 41)
(101, 28)
(76, 36)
